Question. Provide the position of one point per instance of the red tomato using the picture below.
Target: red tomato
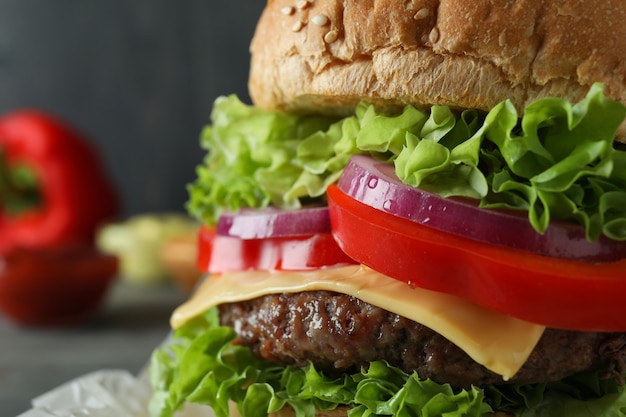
(54, 286)
(555, 292)
(225, 253)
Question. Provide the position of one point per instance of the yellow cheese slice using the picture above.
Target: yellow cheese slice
(498, 342)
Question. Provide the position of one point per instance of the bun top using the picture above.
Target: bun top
(324, 56)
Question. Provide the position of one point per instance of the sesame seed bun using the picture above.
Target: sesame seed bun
(324, 56)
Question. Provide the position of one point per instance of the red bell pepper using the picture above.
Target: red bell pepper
(53, 188)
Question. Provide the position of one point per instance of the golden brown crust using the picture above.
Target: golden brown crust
(462, 53)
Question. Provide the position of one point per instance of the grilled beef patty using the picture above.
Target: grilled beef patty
(340, 333)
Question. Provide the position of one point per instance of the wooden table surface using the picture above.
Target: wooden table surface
(134, 320)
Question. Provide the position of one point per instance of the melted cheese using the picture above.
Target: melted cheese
(498, 342)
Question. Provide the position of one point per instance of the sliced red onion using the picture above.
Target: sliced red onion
(274, 222)
(376, 184)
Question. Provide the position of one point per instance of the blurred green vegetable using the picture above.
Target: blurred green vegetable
(138, 243)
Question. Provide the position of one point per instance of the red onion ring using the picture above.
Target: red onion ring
(273, 222)
(376, 184)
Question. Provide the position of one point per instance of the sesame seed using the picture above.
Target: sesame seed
(433, 36)
(297, 26)
(502, 38)
(302, 4)
(331, 36)
(421, 14)
(287, 10)
(320, 19)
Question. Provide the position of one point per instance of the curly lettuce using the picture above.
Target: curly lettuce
(556, 161)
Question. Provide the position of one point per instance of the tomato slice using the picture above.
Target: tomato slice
(217, 253)
(555, 292)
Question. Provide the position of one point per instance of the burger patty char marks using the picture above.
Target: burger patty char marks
(340, 333)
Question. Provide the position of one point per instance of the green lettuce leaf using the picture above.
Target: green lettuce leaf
(562, 161)
(201, 366)
(555, 161)
(256, 158)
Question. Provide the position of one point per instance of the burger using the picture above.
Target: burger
(422, 213)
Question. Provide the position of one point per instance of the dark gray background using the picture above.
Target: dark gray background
(138, 76)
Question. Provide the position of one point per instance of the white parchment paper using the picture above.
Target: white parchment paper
(104, 393)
